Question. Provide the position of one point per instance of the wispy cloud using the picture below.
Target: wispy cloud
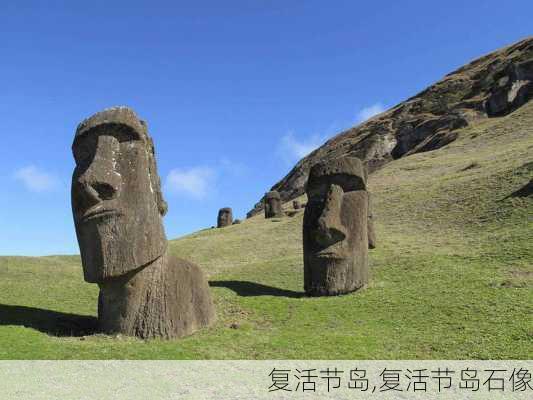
(35, 179)
(368, 112)
(194, 182)
(292, 149)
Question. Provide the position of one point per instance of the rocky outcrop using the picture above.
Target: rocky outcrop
(490, 86)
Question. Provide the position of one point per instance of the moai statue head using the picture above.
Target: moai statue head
(335, 237)
(225, 217)
(273, 205)
(117, 202)
(296, 205)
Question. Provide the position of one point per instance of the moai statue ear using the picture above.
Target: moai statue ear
(154, 176)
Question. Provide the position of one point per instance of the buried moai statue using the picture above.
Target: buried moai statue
(118, 206)
(273, 205)
(225, 217)
(296, 204)
(335, 228)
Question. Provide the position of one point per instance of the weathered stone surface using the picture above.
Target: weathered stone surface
(117, 207)
(492, 85)
(273, 205)
(225, 217)
(335, 235)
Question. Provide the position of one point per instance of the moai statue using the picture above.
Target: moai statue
(273, 205)
(335, 236)
(236, 222)
(296, 205)
(225, 217)
(118, 206)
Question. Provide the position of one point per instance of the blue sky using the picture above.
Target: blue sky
(234, 92)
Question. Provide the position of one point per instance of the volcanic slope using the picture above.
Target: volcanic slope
(493, 85)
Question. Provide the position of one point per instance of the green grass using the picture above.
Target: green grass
(451, 277)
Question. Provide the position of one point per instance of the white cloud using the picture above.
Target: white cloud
(35, 179)
(293, 149)
(368, 112)
(195, 182)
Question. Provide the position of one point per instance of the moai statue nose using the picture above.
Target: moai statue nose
(330, 229)
(101, 181)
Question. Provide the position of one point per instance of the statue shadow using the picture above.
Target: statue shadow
(53, 323)
(524, 191)
(246, 289)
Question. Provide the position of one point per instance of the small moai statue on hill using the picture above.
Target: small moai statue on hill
(118, 207)
(273, 205)
(225, 217)
(335, 228)
(296, 204)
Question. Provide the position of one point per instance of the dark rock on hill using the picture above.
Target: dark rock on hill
(493, 85)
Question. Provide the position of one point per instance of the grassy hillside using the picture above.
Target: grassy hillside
(451, 277)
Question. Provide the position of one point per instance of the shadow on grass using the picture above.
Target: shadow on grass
(47, 321)
(245, 289)
(525, 191)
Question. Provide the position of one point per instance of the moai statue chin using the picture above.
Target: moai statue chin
(118, 206)
(335, 235)
(273, 205)
(225, 217)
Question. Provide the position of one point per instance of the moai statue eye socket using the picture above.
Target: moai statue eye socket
(335, 236)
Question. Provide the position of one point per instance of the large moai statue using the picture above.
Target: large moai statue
(335, 228)
(118, 206)
(225, 217)
(273, 205)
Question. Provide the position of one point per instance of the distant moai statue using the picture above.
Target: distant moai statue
(117, 207)
(296, 204)
(273, 205)
(335, 228)
(236, 221)
(225, 217)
